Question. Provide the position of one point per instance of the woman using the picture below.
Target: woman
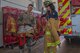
(51, 36)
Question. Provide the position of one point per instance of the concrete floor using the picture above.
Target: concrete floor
(38, 48)
(69, 48)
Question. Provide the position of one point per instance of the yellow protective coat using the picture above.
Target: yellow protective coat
(51, 38)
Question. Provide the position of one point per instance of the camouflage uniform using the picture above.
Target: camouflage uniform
(29, 19)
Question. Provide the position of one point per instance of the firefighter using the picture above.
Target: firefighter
(51, 36)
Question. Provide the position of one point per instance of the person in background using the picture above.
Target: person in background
(28, 17)
(51, 38)
(29, 23)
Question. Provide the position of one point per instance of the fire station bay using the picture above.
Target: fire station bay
(39, 26)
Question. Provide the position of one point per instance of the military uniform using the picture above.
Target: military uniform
(29, 19)
(30, 23)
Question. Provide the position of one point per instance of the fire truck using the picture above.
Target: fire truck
(69, 13)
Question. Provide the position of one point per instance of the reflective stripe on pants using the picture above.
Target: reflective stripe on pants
(53, 44)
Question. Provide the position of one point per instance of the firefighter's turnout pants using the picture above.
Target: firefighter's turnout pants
(51, 38)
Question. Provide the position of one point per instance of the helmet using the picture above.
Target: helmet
(46, 3)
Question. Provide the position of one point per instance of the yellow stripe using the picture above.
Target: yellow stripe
(69, 21)
(60, 3)
(65, 24)
(57, 43)
(50, 44)
(66, 14)
(78, 12)
(64, 7)
(63, 0)
(66, 32)
(70, 29)
(53, 44)
(47, 33)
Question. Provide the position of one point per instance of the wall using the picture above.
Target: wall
(21, 4)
